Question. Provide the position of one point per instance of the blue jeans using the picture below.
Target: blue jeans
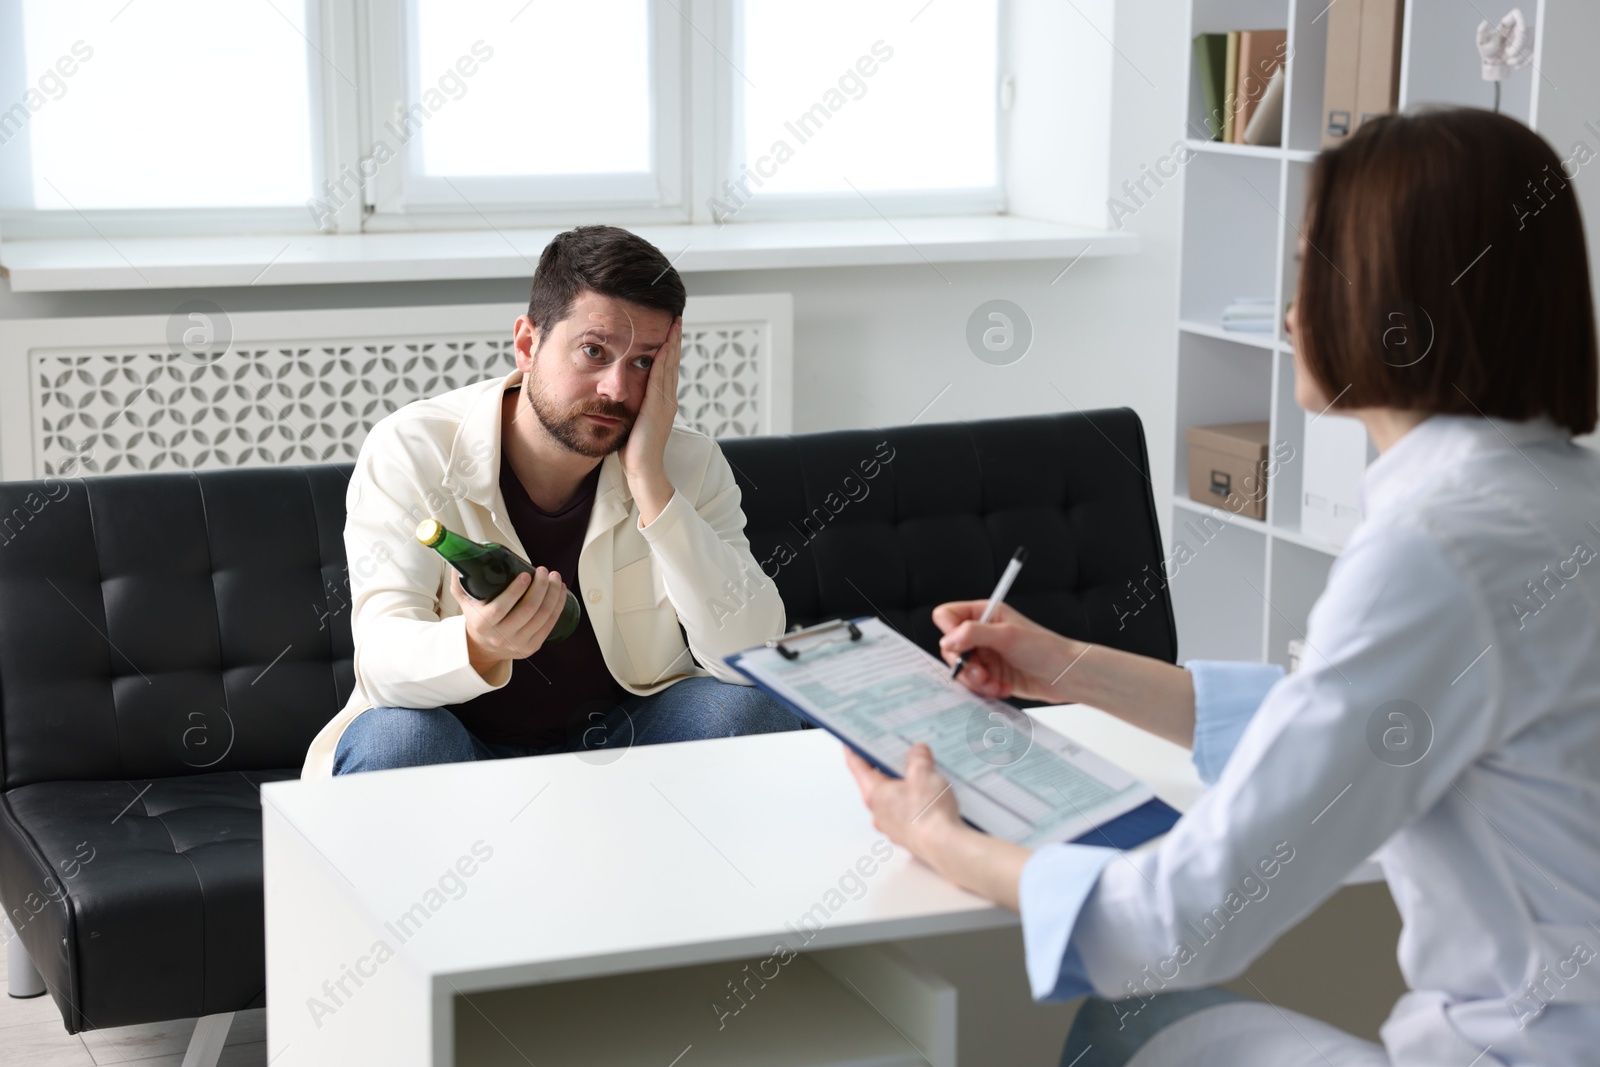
(695, 708)
(1114, 1030)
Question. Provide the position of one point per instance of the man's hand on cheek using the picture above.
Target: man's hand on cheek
(642, 456)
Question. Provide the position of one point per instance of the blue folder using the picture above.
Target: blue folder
(1151, 819)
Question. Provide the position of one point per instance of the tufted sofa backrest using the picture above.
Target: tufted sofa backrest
(893, 522)
(164, 624)
(154, 625)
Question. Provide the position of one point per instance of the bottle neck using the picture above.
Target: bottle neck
(454, 547)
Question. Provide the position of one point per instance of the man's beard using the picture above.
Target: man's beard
(570, 427)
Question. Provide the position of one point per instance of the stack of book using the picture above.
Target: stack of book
(1249, 314)
(1241, 80)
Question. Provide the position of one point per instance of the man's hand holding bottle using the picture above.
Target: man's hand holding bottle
(512, 608)
(515, 624)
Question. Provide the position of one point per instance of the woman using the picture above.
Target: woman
(1444, 715)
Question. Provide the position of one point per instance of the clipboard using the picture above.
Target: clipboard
(814, 673)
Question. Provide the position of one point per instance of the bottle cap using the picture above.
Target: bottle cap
(430, 532)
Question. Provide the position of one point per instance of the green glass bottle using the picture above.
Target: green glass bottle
(487, 568)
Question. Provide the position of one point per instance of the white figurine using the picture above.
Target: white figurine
(1504, 48)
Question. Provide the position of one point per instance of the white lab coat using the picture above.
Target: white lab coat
(1446, 716)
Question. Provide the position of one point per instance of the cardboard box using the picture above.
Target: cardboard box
(1378, 69)
(1341, 72)
(1228, 467)
(1361, 73)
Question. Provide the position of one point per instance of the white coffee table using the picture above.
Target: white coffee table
(565, 910)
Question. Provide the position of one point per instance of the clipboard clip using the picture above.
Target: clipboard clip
(777, 643)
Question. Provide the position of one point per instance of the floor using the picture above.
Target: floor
(31, 1035)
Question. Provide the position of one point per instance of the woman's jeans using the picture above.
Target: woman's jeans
(695, 708)
(1109, 1033)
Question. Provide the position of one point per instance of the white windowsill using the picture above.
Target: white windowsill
(191, 262)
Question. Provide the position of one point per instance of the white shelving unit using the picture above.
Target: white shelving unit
(1244, 587)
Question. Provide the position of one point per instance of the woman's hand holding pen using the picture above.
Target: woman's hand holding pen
(1014, 656)
(1011, 654)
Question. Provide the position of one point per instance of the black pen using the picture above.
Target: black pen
(999, 594)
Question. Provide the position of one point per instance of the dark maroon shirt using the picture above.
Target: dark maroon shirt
(560, 684)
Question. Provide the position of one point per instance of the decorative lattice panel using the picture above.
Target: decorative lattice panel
(100, 412)
(719, 379)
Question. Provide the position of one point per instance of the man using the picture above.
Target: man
(573, 462)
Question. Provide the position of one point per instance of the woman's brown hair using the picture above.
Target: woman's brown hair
(1445, 271)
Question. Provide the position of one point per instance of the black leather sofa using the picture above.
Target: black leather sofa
(170, 641)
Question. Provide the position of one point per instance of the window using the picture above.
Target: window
(111, 107)
(849, 107)
(480, 111)
(341, 116)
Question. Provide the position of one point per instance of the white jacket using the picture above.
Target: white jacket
(1446, 715)
(440, 458)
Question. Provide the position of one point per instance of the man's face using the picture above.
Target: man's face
(586, 381)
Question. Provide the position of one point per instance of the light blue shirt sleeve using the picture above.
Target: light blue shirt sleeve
(1226, 696)
(1056, 881)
